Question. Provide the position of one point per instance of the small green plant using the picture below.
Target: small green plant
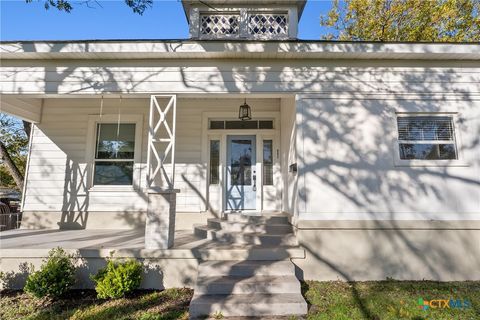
(118, 278)
(55, 277)
(218, 315)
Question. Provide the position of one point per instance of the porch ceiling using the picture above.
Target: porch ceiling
(29, 109)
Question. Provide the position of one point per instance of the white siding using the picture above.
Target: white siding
(262, 75)
(289, 154)
(348, 169)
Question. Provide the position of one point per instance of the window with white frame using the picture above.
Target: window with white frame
(267, 24)
(214, 161)
(114, 157)
(240, 124)
(244, 24)
(219, 24)
(426, 137)
(268, 162)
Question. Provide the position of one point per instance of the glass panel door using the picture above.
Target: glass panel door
(241, 173)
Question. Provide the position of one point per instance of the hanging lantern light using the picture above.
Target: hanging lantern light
(245, 112)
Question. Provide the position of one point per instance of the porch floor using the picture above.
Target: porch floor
(84, 239)
(118, 239)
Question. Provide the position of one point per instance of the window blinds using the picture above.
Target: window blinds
(424, 128)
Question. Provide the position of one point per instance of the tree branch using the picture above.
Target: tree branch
(27, 126)
(12, 168)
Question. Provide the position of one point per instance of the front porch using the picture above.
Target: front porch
(180, 183)
(193, 155)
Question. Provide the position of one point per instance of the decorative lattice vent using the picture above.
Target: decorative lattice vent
(219, 24)
(267, 24)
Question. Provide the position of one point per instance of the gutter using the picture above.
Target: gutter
(188, 49)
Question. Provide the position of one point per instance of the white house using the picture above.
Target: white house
(371, 150)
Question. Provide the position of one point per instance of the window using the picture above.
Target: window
(241, 162)
(244, 23)
(426, 138)
(268, 24)
(267, 162)
(217, 124)
(268, 124)
(239, 124)
(219, 24)
(114, 154)
(214, 161)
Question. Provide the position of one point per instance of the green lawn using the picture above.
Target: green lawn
(327, 300)
(142, 305)
(389, 300)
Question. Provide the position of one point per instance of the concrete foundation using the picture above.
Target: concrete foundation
(356, 250)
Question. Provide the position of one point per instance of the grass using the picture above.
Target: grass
(83, 305)
(335, 300)
(390, 299)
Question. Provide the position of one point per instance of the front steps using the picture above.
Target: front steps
(239, 237)
(262, 285)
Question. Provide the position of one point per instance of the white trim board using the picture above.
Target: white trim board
(388, 216)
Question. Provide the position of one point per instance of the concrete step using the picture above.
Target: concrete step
(271, 228)
(249, 252)
(248, 305)
(266, 219)
(246, 238)
(246, 285)
(247, 268)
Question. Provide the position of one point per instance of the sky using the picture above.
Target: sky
(114, 20)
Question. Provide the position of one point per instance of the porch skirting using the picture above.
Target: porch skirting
(442, 252)
(161, 272)
(126, 220)
(83, 220)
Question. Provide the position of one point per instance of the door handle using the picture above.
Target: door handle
(254, 181)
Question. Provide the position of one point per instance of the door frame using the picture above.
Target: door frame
(221, 135)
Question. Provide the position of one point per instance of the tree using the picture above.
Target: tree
(14, 137)
(404, 20)
(138, 6)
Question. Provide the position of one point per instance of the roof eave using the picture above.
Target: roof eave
(236, 49)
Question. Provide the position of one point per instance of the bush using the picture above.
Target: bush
(118, 278)
(55, 277)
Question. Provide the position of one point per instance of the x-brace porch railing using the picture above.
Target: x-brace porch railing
(160, 220)
(161, 142)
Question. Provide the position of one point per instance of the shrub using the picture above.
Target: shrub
(118, 278)
(55, 277)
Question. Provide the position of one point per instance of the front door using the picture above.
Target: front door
(241, 173)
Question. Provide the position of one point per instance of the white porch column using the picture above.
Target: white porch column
(160, 222)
